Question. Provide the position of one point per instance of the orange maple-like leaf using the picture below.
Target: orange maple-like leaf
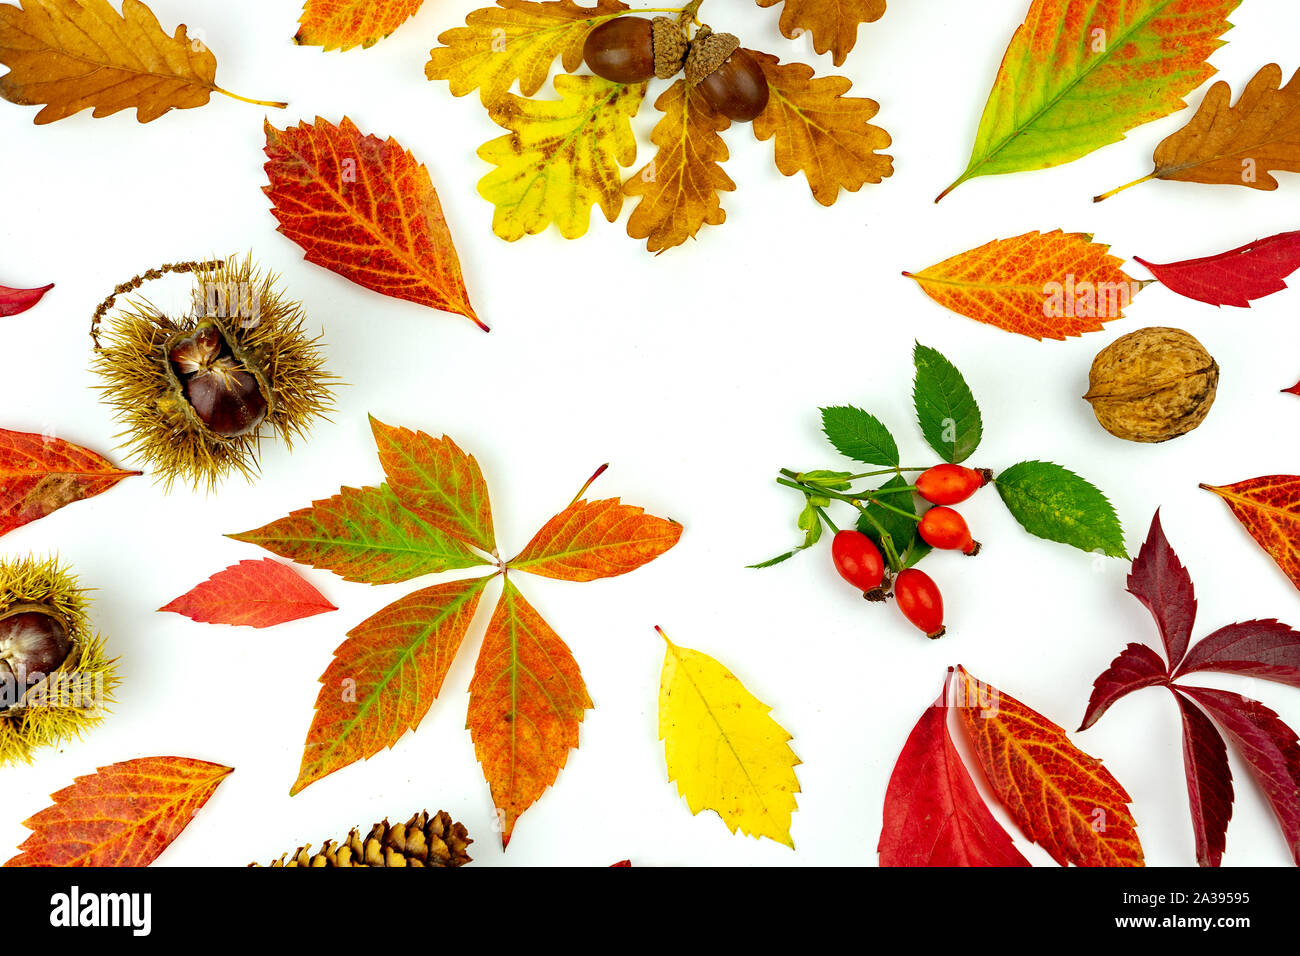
(1061, 798)
(596, 539)
(344, 24)
(125, 814)
(680, 186)
(832, 23)
(386, 676)
(365, 208)
(1043, 285)
(1269, 508)
(526, 701)
(819, 131)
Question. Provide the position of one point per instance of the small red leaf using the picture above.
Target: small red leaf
(1235, 277)
(1267, 649)
(1136, 667)
(1209, 782)
(14, 301)
(252, 594)
(1159, 580)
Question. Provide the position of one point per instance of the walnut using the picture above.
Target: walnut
(1152, 385)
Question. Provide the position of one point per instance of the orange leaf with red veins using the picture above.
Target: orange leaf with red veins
(596, 539)
(125, 814)
(253, 594)
(1061, 798)
(365, 208)
(1043, 285)
(526, 701)
(386, 676)
(1269, 508)
(344, 24)
(40, 474)
(832, 23)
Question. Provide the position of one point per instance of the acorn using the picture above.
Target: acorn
(55, 678)
(727, 75)
(633, 49)
(196, 394)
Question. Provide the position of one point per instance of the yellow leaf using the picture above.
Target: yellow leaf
(515, 40)
(71, 55)
(561, 156)
(680, 186)
(344, 24)
(722, 748)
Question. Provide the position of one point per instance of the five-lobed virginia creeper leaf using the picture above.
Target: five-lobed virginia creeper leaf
(1054, 503)
(17, 301)
(72, 55)
(1269, 508)
(1235, 277)
(1079, 74)
(946, 408)
(833, 24)
(252, 594)
(859, 435)
(344, 24)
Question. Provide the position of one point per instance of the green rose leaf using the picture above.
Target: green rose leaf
(902, 531)
(1054, 503)
(945, 408)
(859, 435)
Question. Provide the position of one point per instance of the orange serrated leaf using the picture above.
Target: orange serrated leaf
(344, 24)
(526, 701)
(1269, 508)
(253, 594)
(386, 676)
(1043, 285)
(596, 539)
(1061, 798)
(819, 131)
(679, 187)
(832, 23)
(125, 814)
(40, 474)
(366, 209)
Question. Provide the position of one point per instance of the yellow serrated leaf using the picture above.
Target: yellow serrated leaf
(723, 749)
(561, 156)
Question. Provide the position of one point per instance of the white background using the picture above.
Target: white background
(696, 374)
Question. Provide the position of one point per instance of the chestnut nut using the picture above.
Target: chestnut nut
(225, 397)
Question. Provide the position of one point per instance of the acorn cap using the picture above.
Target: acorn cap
(709, 51)
(670, 47)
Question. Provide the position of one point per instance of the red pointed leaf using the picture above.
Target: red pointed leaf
(14, 301)
(1159, 580)
(1209, 782)
(934, 815)
(253, 594)
(1269, 748)
(1136, 667)
(1235, 277)
(1267, 649)
(1269, 508)
(40, 474)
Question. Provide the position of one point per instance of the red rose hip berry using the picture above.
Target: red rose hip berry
(859, 562)
(951, 484)
(919, 599)
(942, 527)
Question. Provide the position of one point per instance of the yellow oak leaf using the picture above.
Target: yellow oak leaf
(819, 131)
(344, 24)
(71, 55)
(832, 23)
(561, 156)
(515, 40)
(723, 749)
(679, 187)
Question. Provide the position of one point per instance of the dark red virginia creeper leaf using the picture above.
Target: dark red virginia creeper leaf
(1159, 580)
(934, 815)
(1209, 782)
(14, 301)
(1136, 667)
(252, 593)
(1267, 649)
(1235, 277)
(1269, 748)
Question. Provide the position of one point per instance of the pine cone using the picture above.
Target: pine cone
(421, 841)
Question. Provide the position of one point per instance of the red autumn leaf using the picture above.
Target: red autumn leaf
(597, 539)
(1269, 508)
(1136, 667)
(1267, 649)
(125, 814)
(620, 864)
(40, 474)
(1269, 748)
(1159, 580)
(1209, 782)
(1061, 798)
(934, 815)
(253, 594)
(1235, 277)
(14, 301)
(365, 208)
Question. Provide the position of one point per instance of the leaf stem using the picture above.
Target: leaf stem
(855, 500)
(583, 490)
(1120, 189)
(274, 104)
(886, 542)
(825, 517)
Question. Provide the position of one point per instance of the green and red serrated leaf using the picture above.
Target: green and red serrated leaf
(253, 594)
(386, 676)
(440, 483)
(363, 535)
(124, 814)
(596, 539)
(40, 474)
(526, 702)
(833, 24)
(1269, 508)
